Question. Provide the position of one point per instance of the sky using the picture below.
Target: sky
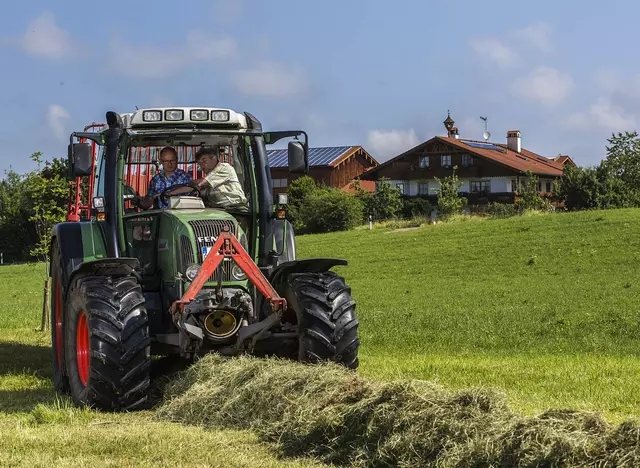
(374, 73)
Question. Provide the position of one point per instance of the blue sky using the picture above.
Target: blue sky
(374, 73)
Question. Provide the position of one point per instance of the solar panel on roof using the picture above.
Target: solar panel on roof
(483, 145)
(317, 156)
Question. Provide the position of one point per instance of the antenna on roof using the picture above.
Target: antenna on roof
(136, 107)
(486, 135)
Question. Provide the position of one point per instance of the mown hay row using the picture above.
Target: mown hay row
(339, 417)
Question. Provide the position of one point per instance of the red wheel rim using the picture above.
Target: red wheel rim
(58, 324)
(82, 348)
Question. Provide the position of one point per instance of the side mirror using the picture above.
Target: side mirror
(298, 158)
(80, 159)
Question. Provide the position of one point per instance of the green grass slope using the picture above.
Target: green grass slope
(39, 430)
(545, 307)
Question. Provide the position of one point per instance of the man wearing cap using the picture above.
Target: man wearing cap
(220, 188)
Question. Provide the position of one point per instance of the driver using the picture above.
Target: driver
(171, 175)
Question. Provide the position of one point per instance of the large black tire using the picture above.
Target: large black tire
(60, 380)
(326, 317)
(109, 361)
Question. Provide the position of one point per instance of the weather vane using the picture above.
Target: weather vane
(486, 135)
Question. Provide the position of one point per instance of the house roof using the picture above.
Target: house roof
(318, 157)
(496, 152)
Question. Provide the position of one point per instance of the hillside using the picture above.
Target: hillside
(545, 307)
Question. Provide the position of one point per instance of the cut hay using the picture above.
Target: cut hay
(336, 416)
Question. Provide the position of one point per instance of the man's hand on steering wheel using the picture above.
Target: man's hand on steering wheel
(180, 189)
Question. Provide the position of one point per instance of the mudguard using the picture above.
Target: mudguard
(106, 267)
(69, 238)
(307, 265)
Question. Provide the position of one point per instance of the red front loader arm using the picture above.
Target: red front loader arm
(227, 246)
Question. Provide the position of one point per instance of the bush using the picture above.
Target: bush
(329, 210)
(501, 210)
(450, 201)
(416, 207)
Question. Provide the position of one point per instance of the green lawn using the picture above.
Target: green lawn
(544, 307)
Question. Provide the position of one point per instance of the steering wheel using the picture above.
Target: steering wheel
(165, 195)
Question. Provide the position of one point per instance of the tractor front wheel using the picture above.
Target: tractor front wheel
(107, 344)
(328, 326)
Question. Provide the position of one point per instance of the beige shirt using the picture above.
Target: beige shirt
(224, 189)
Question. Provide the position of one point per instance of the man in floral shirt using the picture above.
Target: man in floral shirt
(170, 175)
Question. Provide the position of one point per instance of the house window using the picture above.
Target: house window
(548, 187)
(445, 160)
(467, 160)
(401, 188)
(424, 162)
(514, 185)
(279, 183)
(423, 188)
(539, 186)
(480, 186)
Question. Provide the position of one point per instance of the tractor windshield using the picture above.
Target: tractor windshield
(146, 160)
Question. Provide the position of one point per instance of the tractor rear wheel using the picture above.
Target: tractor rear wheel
(107, 343)
(326, 317)
(60, 380)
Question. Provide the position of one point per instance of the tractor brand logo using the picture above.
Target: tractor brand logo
(207, 239)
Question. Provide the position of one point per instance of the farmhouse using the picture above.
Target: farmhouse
(488, 171)
(336, 166)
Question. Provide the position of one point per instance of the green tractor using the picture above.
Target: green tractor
(185, 280)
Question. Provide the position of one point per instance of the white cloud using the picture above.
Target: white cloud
(544, 85)
(271, 79)
(602, 114)
(493, 50)
(44, 38)
(385, 144)
(148, 61)
(537, 35)
(57, 117)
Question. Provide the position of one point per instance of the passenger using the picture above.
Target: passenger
(171, 175)
(220, 188)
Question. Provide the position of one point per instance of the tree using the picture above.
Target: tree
(623, 158)
(298, 191)
(385, 203)
(449, 199)
(530, 199)
(47, 189)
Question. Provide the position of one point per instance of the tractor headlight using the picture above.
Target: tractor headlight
(175, 114)
(220, 116)
(152, 116)
(199, 114)
(237, 273)
(192, 271)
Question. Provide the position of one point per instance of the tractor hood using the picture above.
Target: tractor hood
(195, 231)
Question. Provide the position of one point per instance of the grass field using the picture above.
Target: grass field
(543, 307)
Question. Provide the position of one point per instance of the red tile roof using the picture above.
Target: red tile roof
(523, 161)
(520, 162)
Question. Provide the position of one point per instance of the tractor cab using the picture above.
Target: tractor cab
(196, 272)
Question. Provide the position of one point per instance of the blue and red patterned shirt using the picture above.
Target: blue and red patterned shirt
(160, 182)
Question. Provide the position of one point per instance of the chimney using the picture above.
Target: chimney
(454, 133)
(514, 142)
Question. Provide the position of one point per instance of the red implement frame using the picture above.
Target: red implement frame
(227, 246)
(74, 205)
